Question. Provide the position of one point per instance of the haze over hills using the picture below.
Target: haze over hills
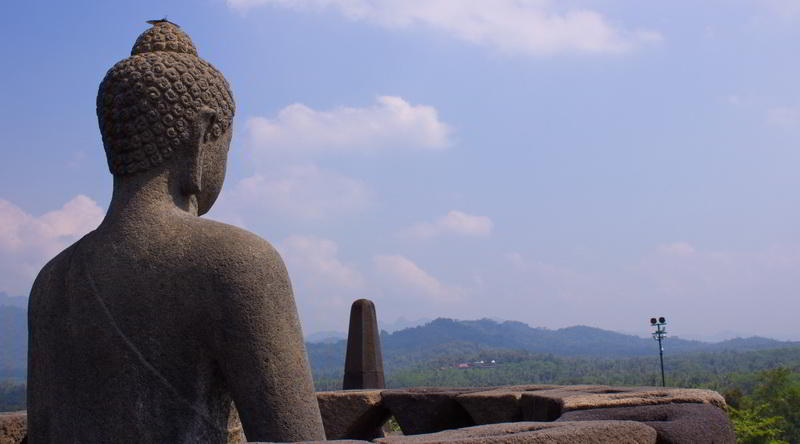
(14, 301)
(13, 341)
(444, 337)
(400, 324)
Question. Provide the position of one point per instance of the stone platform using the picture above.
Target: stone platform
(513, 414)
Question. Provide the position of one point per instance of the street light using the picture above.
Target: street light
(659, 335)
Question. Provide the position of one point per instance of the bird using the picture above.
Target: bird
(163, 20)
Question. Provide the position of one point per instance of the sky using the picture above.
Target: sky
(559, 163)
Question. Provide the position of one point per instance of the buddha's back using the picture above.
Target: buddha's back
(130, 341)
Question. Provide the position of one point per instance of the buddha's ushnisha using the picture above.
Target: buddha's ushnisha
(151, 327)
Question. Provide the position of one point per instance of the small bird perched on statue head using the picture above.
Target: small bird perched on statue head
(163, 20)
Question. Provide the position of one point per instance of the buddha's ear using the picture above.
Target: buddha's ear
(192, 170)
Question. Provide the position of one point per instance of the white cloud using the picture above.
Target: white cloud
(324, 285)
(317, 260)
(454, 222)
(392, 123)
(786, 117)
(734, 99)
(403, 272)
(304, 192)
(784, 8)
(512, 26)
(27, 242)
(677, 249)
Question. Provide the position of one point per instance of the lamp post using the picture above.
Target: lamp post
(659, 335)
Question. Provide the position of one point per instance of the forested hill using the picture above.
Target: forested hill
(13, 341)
(447, 339)
(442, 341)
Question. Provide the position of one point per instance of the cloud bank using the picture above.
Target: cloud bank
(302, 192)
(399, 271)
(27, 242)
(391, 123)
(453, 223)
(532, 27)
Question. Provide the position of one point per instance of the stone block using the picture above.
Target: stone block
(13, 427)
(428, 409)
(501, 404)
(352, 414)
(674, 423)
(547, 405)
(596, 432)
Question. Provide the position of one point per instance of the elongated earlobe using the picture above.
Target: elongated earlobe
(192, 182)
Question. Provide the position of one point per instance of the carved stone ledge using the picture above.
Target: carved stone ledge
(353, 414)
(13, 427)
(596, 432)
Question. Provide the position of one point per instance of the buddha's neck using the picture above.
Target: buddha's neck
(147, 196)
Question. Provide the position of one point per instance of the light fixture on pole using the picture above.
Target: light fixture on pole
(659, 335)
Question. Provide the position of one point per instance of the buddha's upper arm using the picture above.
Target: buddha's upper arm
(258, 343)
(254, 303)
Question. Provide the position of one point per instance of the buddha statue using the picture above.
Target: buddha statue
(152, 327)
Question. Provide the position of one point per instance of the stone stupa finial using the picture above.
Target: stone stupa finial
(164, 36)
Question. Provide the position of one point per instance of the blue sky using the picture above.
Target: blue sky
(575, 162)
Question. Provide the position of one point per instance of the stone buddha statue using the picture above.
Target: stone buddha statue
(147, 328)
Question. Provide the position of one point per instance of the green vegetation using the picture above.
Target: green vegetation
(770, 412)
(719, 371)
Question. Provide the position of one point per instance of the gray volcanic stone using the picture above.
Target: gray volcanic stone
(363, 366)
(501, 404)
(547, 405)
(341, 441)
(148, 327)
(12, 427)
(235, 430)
(675, 423)
(427, 409)
(353, 414)
(596, 432)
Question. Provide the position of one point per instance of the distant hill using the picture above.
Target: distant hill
(13, 341)
(330, 336)
(447, 339)
(326, 336)
(443, 340)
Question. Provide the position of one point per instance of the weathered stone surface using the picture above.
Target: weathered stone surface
(12, 427)
(341, 441)
(235, 430)
(501, 404)
(547, 405)
(363, 367)
(597, 432)
(674, 423)
(145, 329)
(427, 409)
(353, 414)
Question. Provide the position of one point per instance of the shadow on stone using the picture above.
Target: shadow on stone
(675, 423)
(353, 414)
(428, 409)
(596, 432)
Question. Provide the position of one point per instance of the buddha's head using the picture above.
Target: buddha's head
(165, 108)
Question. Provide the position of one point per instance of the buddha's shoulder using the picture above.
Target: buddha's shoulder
(219, 241)
(54, 272)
